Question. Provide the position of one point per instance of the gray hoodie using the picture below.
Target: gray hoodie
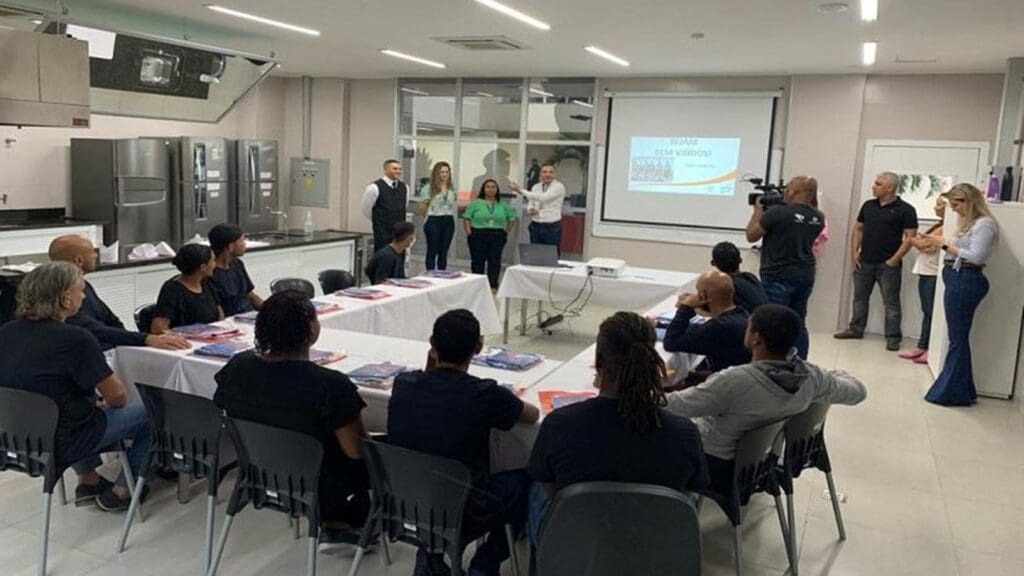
(746, 397)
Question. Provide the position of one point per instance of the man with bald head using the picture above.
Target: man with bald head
(787, 251)
(94, 315)
(880, 239)
(719, 338)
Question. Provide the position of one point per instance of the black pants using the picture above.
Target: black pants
(439, 231)
(485, 247)
(549, 233)
(889, 279)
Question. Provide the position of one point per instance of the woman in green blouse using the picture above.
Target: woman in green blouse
(488, 222)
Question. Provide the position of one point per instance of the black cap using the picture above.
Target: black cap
(222, 235)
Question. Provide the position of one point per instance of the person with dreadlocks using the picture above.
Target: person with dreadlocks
(622, 435)
(277, 385)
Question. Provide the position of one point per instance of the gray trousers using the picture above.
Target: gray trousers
(889, 279)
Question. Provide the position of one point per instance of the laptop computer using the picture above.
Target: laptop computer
(544, 255)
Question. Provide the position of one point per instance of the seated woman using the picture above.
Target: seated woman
(622, 435)
(188, 298)
(277, 385)
(43, 354)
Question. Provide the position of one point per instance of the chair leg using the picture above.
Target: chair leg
(136, 496)
(311, 556)
(63, 492)
(211, 506)
(129, 479)
(386, 548)
(183, 488)
(215, 561)
(835, 506)
(44, 534)
(737, 542)
(356, 562)
(794, 562)
(786, 529)
(295, 529)
(512, 556)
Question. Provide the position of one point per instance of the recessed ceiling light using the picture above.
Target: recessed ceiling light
(513, 13)
(540, 92)
(582, 103)
(37, 22)
(485, 94)
(262, 20)
(606, 55)
(415, 91)
(868, 53)
(869, 10)
(833, 7)
(409, 57)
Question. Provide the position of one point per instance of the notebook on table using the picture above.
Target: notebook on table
(415, 283)
(320, 306)
(207, 332)
(363, 293)
(551, 400)
(223, 350)
(380, 375)
(325, 357)
(502, 359)
(445, 274)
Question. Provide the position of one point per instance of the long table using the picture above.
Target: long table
(637, 289)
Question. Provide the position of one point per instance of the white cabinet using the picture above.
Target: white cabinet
(21, 241)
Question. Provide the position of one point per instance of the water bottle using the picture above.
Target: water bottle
(307, 226)
(1006, 190)
(992, 192)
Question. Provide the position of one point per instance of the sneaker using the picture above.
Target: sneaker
(893, 344)
(85, 494)
(108, 501)
(848, 335)
(335, 540)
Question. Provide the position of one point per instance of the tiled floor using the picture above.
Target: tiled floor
(929, 491)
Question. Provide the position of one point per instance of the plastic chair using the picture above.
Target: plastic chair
(754, 471)
(805, 448)
(144, 317)
(28, 427)
(187, 437)
(297, 284)
(278, 470)
(613, 528)
(334, 280)
(418, 499)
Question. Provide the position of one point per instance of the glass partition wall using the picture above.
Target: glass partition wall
(501, 128)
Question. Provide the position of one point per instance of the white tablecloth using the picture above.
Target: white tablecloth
(410, 313)
(637, 289)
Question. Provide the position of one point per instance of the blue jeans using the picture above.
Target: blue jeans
(792, 292)
(965, 289)
(127, 423)
(439, 231)
(926, 291)
(550, 233)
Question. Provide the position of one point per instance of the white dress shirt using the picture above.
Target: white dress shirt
(370, 196)
(547, 198)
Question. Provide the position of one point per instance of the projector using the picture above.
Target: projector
(606, 267)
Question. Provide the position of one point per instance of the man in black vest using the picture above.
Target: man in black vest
(384, 202)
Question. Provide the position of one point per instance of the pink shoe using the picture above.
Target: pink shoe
(922, 359)
(913, 354)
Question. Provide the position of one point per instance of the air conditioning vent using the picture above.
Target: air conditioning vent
(479, 43)
(912, 60)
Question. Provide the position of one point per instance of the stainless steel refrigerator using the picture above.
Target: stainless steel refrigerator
(255, 184)
(125, 185)
(201, 197)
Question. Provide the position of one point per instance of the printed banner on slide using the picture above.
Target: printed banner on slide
(703, 166)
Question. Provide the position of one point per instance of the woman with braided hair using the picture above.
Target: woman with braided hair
(622, 435)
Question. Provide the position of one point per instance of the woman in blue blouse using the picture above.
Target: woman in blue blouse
(964, 259)
(439, 206)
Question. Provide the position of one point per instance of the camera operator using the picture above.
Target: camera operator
(787, 255)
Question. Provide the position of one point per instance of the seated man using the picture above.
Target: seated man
(42, 353)
(389, 261)
(770, 388)
(230, 282)
(94, 315)
(748, 292)
(720, 338)
(447, 412)
(622, 435)
(277, 385)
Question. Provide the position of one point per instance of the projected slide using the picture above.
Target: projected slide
(705, 166)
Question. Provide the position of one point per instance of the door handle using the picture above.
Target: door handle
(121, 191)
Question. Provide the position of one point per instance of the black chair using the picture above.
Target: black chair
(144, 317)
(418, 499)
(28, 427)
(297, 284)
(278, 470)
(613, 529)
(754, 471)
(187, 437)
(332, 281)
(805, 448)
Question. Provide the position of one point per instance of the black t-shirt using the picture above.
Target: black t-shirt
(231, 288)
(385, 264)
(296, 395)
(789, 234)
(65, 363)
(883, 228)
(748, 292)
(719, 339)
(183, 306)
(96, 317)
(450, 413)
(589, 442)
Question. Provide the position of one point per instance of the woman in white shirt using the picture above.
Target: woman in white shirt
(439, 205)
(926, 267)
(964, 259)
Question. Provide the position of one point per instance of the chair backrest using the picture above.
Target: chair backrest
(421, 497)
(144, 317)
(755, 460)
(28, 427)
(186, 431)
(805, 441)
(277, 469)
(333, 280)
(613, 529)
(297, 284)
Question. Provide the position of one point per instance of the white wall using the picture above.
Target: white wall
(371, 137)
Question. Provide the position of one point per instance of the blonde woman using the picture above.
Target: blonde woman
(964, 259)
(439, 206)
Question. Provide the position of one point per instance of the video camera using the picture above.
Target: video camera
(770, 194)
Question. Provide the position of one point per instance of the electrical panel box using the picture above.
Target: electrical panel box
(309, 182)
